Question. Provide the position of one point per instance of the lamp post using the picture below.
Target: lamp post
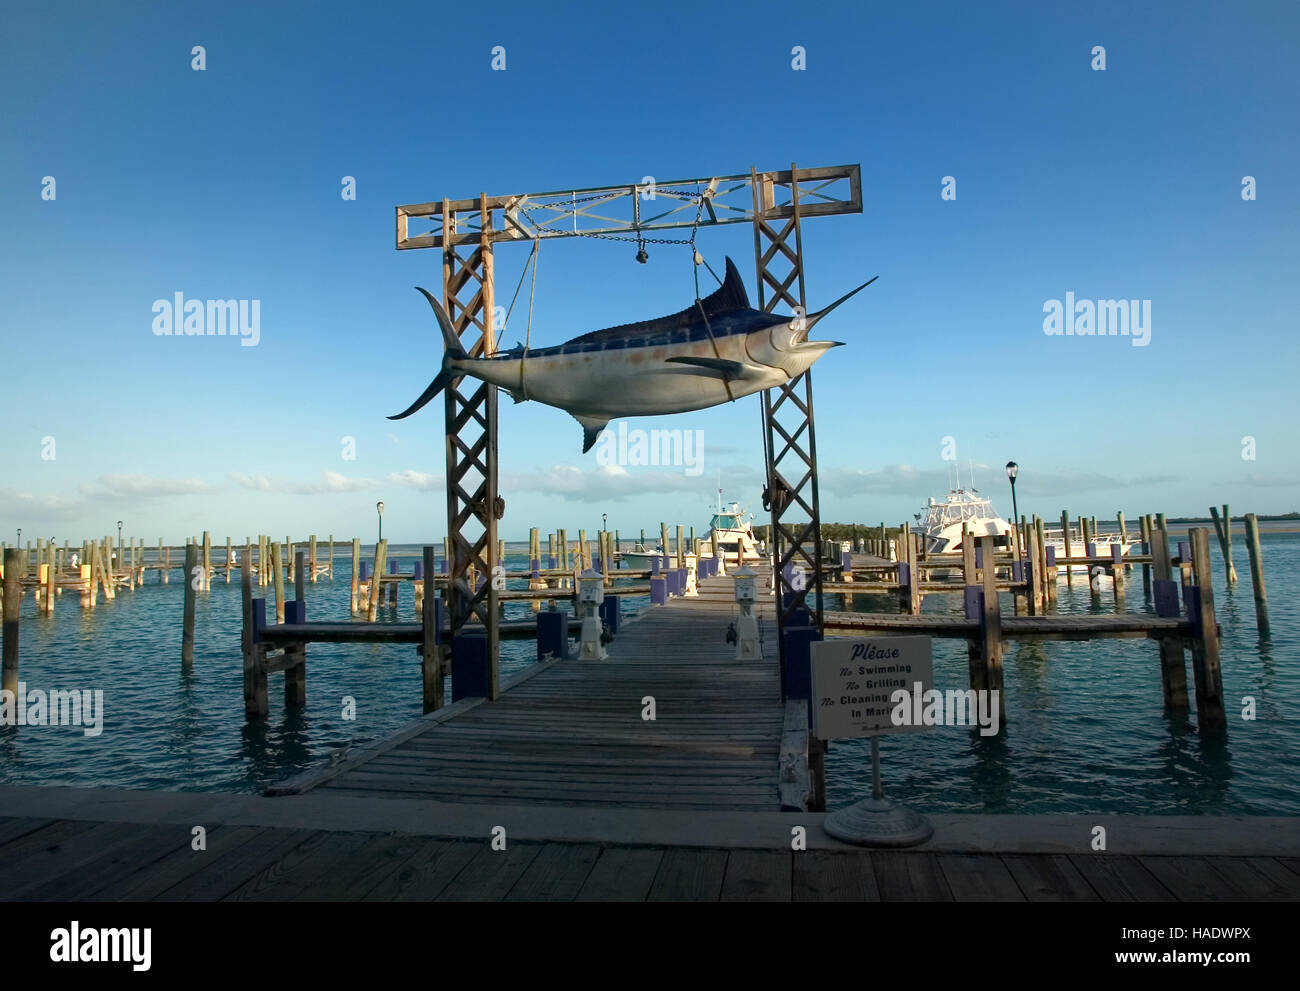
(1013, 470)
(379, 508)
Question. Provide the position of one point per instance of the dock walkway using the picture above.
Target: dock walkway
(576, 733)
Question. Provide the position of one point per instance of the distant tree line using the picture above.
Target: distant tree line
(842, 531)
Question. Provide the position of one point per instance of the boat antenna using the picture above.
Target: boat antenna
(957, 465)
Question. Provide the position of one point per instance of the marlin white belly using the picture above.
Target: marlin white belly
(713, 352)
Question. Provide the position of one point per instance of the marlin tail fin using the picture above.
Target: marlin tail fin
(455, 351)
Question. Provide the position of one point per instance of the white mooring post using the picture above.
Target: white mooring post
(746, 626)
(591, 593)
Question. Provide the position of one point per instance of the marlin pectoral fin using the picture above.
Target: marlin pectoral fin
(591, 428)
(724, 369)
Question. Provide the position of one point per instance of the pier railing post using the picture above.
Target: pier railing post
(1210, 715)
(431, 636)
(11, 597)
(187, 625)
(991, 626)
(277, 565)
(1173, 667)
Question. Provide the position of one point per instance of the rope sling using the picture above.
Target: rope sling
(641, 240)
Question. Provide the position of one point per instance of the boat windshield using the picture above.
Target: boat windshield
(724, 522)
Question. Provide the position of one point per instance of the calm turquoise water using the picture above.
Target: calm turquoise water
(1085, 727)
(165, 729)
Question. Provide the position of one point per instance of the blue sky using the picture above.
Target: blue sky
(225, 184)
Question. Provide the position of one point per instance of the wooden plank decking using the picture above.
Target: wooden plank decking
(574, 733)
(75, 860)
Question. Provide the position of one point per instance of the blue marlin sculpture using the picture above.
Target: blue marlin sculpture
(716, 350)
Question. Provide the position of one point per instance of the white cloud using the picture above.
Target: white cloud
(329, 483)
(416, 480)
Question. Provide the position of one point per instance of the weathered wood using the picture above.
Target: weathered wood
(356, 573)
(1210, 716)
(991, 627)
(1257, 574)
(430, 649)
(277, 566)
(1223, 527)
(12, 603)
(795, 784)
(1065, 538)
(192, 578)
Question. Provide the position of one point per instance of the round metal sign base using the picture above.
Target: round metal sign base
(878, 822)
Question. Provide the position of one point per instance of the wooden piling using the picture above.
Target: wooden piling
(207, 561)
(1173, 667)
(991, 626)
(187, 624)
(356, 574)
(1223, 527)
(255, 701)
(1257, 574)
(311, 555)
(376, 586)
(430, 649)
(11, 599)
(1146, 550)
(277, 566)
(295, 654)
(1065, 542)
(1210, 715)
(681, 548)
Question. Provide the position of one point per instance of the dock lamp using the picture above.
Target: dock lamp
(746, 625)
(591, 593)
(379, 508)
(1013, 470)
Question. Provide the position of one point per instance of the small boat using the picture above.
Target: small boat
(942, 523)
(1103, 542)
(730, 531)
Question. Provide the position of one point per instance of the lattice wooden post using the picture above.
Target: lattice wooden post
(788, 420)
(473, 506)
(791, 469)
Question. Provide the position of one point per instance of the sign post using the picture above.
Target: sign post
(854, 684)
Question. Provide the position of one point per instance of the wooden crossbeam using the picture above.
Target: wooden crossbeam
(623, 209)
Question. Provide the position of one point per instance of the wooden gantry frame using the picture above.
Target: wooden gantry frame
(776, 204)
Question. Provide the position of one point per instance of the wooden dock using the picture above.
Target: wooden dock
(575, 733)
(562, 789)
